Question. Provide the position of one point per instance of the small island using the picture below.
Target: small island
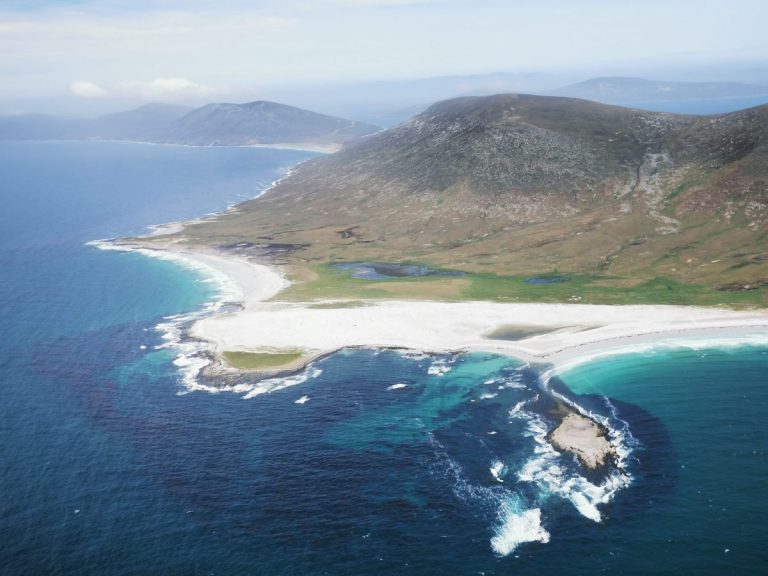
(584, 438)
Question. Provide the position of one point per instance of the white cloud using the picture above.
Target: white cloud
(123, 45)
(158, 90)
(167, 89)
(86, 89)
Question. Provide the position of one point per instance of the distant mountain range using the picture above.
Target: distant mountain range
(519, 183)
(390, 102)
(151, 121)
(383, 103)
(262, 123)
(254, 123)
(660, 94)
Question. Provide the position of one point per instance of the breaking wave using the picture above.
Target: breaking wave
(550, 472)
(517, 526)
(193, 355)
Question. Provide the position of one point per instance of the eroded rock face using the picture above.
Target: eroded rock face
(584, 438)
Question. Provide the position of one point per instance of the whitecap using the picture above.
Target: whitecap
(671, 342)
(413, 354)
(275, 384)
(619, 436)
(498, 470)
(518, 526)
(438, 368)
(512, 386)
(545, 469)
(397, 386)
(517, 408)
(302, 400)
(191, 355)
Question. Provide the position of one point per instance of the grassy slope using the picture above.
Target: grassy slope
(602, 215)
(261, 360)
(325, 282)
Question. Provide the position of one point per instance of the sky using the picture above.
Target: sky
(109, 52)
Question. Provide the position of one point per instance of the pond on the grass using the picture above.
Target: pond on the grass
(387, 271)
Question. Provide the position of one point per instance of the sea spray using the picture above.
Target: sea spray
(517, 526)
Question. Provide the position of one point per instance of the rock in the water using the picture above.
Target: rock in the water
(584, 438)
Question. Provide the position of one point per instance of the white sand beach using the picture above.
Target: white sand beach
(565, 333)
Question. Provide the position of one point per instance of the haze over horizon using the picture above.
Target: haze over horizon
(86, 58)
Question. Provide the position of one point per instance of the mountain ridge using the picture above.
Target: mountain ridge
(219, 124)
(623, 90)
(530, 184)
(263, 122)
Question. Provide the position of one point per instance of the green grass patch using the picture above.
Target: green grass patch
(332, 283)
(261, 360)
(516, 288)
(679, 190)
(594, 289)
(340, 304)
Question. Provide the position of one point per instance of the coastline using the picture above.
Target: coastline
(570, 334)
(246, 319)
(297, 146)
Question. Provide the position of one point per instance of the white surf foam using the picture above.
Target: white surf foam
(228, 291)
(619, 435)
(547, 471)
(413, 354)
(302, 400)
(517, 527)
(710, 342)
(512, 386)
(439, 368)
(191, 355)
(519, 406)
(397, 386)
(275, 384)
(513, 382)
(516, 522)
(498, 470)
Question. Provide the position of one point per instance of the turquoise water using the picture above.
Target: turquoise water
(392, 464)
(713, 407)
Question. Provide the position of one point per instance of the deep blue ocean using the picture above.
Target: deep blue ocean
(393, 463)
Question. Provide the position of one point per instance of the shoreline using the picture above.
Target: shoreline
(297, 146)
(571, 334)
(246, 320)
